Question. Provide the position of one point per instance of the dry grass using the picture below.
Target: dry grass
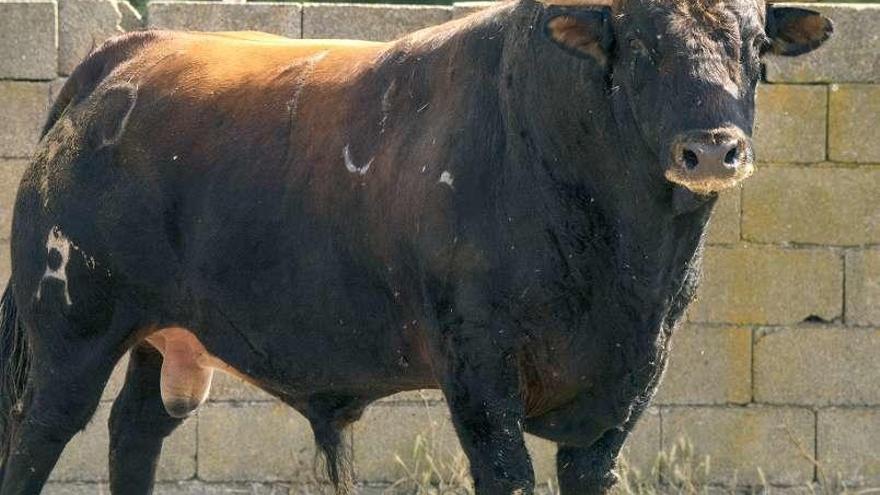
(433, 469)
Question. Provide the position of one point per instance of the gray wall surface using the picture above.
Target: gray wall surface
(775, 375)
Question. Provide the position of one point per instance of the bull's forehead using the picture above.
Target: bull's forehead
(707, 15)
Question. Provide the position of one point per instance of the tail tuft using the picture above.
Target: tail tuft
(334, 448)
(14, 366)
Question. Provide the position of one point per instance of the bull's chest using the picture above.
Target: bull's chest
(600, 340)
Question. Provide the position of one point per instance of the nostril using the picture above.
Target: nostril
(730, 157)
(690, 159)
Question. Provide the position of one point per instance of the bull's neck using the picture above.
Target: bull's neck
(594, 187)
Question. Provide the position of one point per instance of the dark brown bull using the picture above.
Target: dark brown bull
(509, 207)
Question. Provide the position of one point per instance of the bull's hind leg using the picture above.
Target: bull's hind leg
(64, 386)
(138, 424)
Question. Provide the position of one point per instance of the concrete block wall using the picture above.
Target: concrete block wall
(775, 375)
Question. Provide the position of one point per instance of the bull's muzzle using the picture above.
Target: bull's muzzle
(706, 162)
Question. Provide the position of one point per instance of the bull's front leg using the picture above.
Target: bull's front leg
(479, 377)
(590, 470)
(589, 445)
(590, 432)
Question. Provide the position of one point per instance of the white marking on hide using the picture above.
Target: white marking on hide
(386, 106)
(300, 83)
(349, 163)
(446, 178)
(132, 89)
(57, 241)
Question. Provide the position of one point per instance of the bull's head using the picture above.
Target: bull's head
(688, 71)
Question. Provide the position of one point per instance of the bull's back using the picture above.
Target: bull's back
(188, 141)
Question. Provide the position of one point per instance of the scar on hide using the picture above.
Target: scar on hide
(308, 66)
(350, 165)
(112, 113)
(446, 178)
(386, 105)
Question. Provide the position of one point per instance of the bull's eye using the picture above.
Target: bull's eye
(759, 43)
(638, 46)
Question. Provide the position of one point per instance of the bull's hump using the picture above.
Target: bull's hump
(252, 47)
(254, 58)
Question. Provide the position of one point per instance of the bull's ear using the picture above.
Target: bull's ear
(794, 31)
(582, 31)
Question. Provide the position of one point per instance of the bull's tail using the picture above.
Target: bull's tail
(14, 365)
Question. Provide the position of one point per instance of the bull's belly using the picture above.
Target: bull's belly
(292, 366)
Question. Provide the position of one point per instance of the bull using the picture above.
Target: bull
(509, 207)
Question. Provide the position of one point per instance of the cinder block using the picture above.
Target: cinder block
(23, 108)
(847, 445)
(863, 287)
(131, 18)
(424, 397)
(852, 54)
(117, 380)
(853, 135)
(463, 9)
(764, 285)
(741, 440)
(5, 264)
(74, 488)
(182, 488)
(85, 458)
(369, 22)
(28, 39)
(643, 444)
(831, 206)
(392, 440)
(55, 88)
(252, 488)
(254, 442)
(708, 365)
(83, 25)
(804, 489)
(724, 224)
(283, 19)
(814, 365)
(230, 388)
(790, 123)
(10, 175)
